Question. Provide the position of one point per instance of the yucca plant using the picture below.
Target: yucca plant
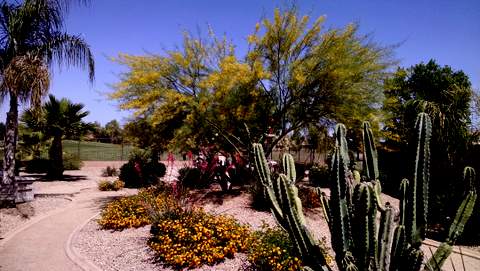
(359, 239)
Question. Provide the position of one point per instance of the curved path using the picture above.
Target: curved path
(43, 242)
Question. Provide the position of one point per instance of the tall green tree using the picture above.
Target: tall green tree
(32, 38)
(114, 132)
(57, 119)
(446, 95)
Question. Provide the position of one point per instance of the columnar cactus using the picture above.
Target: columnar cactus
(359, 241)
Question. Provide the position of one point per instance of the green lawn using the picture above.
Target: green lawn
(95, 151)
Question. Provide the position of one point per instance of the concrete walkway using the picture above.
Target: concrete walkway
(41, 246)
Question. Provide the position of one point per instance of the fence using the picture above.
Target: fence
(96, 151)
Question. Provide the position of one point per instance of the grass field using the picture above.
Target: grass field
(96, 151)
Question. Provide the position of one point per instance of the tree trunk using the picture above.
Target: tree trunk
(7, 191)
(56, 158)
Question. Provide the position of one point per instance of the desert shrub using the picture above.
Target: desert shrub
(117, 185)
(191, 177)
(272, 250)
(37, 165)
(259, 199)
(71, 162)
(110, 172)
(309, 198)
(106, 185)
(194, 238)
(134, 211)
(141, 170)
(318, 176)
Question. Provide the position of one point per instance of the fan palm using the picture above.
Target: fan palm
(57, 119)
(31, 40)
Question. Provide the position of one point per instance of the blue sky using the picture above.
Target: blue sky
(445, 30)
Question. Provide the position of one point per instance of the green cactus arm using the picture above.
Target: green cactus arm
(414, 259)
(461, 218)
(385, 238)
(403, 200)
(469, 177)
(464, 213)
(437, 260)
(370, 153)
(325, 205)
(364, 237)
(377, 189)
(419, 190)
(305, 245)
(399, 247)
(261, 165)
(288, 165)
(339, 210)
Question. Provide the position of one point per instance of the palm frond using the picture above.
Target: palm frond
(69, 50)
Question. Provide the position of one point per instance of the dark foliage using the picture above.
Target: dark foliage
(141, 171)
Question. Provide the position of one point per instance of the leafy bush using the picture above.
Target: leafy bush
(272, 250)
(141, 170)
(134, 211)
(71, 162)
(110, 186)
(37, 165)
(191, 177)
(259, 200)
(318, 176)
(309, 198)
(109, 172)
(195, 238)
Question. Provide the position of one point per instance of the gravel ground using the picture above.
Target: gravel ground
(11, 218)
(127, 249)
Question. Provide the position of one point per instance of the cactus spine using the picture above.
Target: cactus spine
(351, 211)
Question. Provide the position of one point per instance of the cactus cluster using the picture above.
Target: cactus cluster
(365, 233)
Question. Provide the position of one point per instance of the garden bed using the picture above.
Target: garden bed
(128, 249)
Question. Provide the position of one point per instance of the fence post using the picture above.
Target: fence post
(78, 149)
(121, 154)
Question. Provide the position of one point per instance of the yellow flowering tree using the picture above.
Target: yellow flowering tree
(294, 75)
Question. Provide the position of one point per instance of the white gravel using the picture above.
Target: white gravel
(12, 218)
(127, 249)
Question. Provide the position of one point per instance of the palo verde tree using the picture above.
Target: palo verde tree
(32, 38)
(315, 75)
(56, 120)
(293, 75)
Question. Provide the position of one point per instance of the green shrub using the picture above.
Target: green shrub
(191, 177)
(318, 176)
(272, 250)
(106, 185)
(110, 172)
(37, 165)
(141, 170)
(71, 162)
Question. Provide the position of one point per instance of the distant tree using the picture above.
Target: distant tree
(114, 132)
(446, 96)
(58, 119)
(32, 38)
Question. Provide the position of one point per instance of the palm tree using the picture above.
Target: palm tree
(31, 40)
(57, 119)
